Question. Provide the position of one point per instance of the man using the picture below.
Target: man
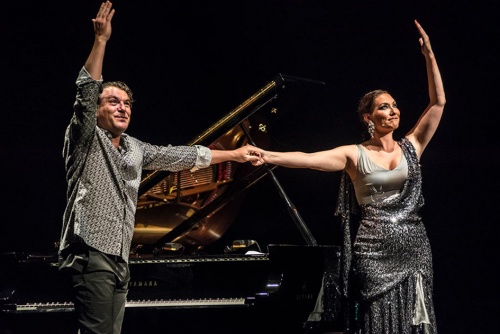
(103, 166)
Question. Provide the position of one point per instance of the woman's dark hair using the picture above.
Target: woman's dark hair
(365, 106)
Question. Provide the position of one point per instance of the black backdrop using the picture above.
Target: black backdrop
(190, 62)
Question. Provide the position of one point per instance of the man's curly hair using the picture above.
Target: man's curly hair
(121, 85)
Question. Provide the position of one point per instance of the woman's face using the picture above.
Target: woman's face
(385, 113)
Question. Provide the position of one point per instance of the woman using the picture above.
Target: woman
(387, 262)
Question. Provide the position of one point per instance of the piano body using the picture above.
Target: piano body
(175, 284)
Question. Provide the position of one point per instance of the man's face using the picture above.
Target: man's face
(114, 111)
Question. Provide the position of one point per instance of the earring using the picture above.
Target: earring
(371, 128)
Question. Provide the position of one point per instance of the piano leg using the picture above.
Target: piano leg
(326, 317)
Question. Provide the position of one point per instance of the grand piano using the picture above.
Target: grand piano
(176, 285)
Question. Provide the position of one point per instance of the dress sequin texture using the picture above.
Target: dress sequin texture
(385, 255)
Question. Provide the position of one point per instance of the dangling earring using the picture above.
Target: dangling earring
(371, 128)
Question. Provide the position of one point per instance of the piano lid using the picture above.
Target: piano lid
(195, 209)
(257, 101)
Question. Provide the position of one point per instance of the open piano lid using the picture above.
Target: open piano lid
(194, 209)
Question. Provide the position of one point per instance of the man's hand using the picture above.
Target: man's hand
(102, 22)
(102, 33)
(246, 153)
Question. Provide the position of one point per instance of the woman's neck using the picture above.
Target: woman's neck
(385, 144)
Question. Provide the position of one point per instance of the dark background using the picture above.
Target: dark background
(190, 62)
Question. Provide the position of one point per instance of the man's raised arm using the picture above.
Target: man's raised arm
(102, 32)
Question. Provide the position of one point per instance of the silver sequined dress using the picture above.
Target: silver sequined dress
(387, 261)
